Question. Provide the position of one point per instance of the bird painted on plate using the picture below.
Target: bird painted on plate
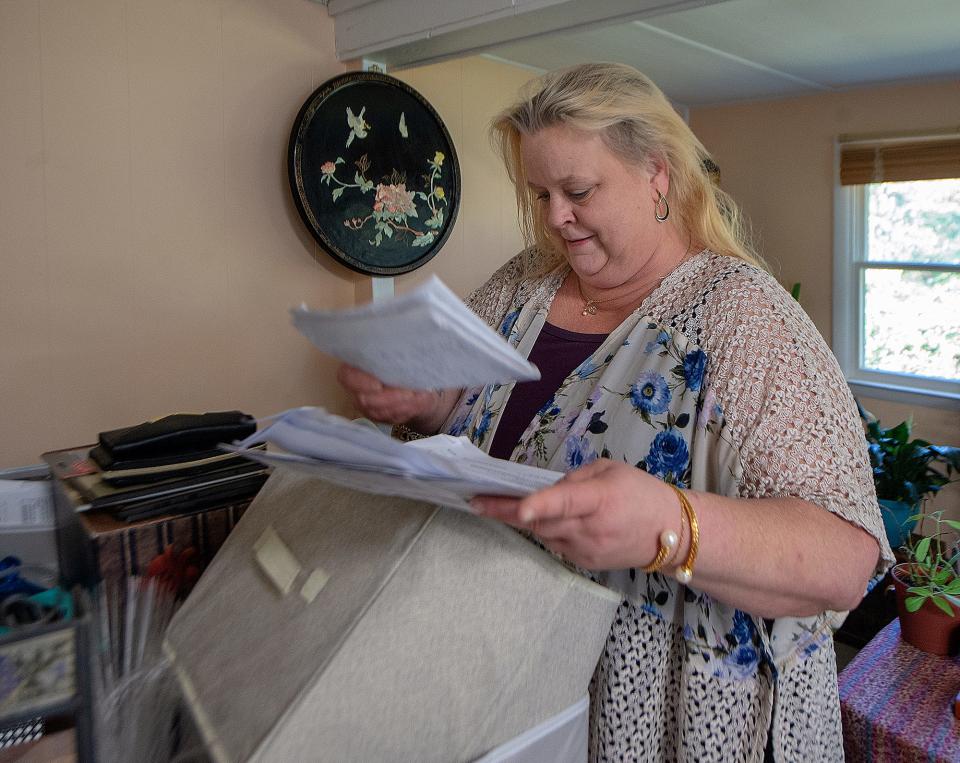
(358, 125)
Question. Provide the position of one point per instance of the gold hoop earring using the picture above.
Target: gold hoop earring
(666, 208)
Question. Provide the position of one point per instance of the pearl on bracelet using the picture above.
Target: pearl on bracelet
(669, 539)
(683, 575)
(668, 545)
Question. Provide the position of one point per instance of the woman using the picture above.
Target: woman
(708, 434)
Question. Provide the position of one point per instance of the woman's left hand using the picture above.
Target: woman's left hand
(606, 515)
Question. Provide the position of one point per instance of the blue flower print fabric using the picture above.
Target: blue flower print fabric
(641, 398)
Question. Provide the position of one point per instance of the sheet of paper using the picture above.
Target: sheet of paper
(441, 469)
(463, 459)
(425, 339)
(378, 483)
(315, 433)
(25, 505)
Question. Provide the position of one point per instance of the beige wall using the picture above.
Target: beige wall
(776, 158)
(468, 93)
(148, 243)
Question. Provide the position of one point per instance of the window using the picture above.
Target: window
(896, 304)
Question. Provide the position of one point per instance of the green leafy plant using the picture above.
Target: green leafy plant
(932, 569)
(912, 470)
(906, 469)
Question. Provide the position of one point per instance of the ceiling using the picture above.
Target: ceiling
(741, 50)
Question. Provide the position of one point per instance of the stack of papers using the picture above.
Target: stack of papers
(213, 483)
(425, 339)
(440, 469)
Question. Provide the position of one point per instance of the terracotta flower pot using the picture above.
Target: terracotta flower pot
(929, 628)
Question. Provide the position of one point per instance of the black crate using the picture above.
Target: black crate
(45, 673)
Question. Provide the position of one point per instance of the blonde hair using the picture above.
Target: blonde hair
(637, 123)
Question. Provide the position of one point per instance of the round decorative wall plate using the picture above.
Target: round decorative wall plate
(374, 173)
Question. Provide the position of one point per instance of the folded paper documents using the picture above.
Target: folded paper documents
(425, 339)
(440, 469)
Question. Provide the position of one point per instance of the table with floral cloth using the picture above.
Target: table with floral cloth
(897, 702)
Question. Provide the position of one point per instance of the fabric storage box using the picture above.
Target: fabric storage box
(438, 635)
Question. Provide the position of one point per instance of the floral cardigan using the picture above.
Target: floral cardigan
(696, 388)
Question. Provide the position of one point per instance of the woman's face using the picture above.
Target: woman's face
(601, 207)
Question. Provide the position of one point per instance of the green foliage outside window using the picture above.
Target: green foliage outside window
(912, 316)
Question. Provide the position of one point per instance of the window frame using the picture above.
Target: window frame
(849, 267)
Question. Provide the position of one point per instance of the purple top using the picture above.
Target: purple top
(556, 353)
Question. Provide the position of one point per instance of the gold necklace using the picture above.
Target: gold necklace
(590, 305)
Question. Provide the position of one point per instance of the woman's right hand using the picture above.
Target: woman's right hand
(421, 409)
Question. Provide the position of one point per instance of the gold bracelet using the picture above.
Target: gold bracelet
(683, 527)
(684, 573)
(669, 543)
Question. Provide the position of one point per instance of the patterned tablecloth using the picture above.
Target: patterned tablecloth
(897, 703)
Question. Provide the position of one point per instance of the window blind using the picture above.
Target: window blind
(922, 159)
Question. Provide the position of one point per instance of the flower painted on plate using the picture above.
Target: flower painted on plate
(694, 364)
(668, 454)
(393, 205)
(394, 201)
(438, 158)
(650, 393)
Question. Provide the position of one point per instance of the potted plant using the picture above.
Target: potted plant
(927, 587)
(907, 472)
